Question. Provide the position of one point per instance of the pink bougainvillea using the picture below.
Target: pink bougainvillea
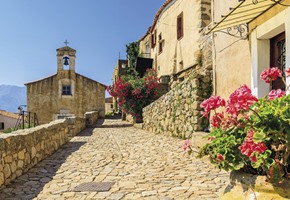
(274, 94)
(271, 74)
(212, 103)
(240, 99)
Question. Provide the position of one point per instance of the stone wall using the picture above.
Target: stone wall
(178, 112)
(91, 118)
(22, 149)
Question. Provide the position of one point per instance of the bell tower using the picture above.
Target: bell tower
(66, 58)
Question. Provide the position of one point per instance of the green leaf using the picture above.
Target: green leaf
(259, 136)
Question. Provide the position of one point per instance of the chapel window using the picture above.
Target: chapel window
(66, 90)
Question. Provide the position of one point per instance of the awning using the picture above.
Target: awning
(243, 13)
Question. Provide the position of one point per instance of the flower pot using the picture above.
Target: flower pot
(248, 186)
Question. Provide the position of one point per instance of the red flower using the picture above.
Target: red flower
(271, 74)
(275, 94)
(212, 103)
(249, 147)
(186, 145)
(210, 138)
(217, 120)
(240, 99)
(288, 72)
(220, 157)
(253, 158)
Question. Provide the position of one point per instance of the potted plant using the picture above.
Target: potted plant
(250, 134)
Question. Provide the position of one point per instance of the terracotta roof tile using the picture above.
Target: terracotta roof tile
(158, 14)
(9, 114)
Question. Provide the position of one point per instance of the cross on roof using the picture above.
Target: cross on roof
(66, 42)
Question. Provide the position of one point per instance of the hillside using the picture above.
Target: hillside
(11, 97)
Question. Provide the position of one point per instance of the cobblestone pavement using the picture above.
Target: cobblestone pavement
(142, 166)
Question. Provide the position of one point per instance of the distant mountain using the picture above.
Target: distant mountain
(11, 97)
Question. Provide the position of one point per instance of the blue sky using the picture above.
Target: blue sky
(32, 30)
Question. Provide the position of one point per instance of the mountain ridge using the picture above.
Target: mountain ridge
(11, 97)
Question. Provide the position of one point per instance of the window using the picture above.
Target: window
(278, 59)
(160, 41)
(147, 50)
(1, 125)
(180, 26)
(66, 90)
(153, 39)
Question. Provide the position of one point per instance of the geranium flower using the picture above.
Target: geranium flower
(212, 103)
(275, 94)
(288, 72)
(271, 74)
(220, 157)
(186, 145)
(249, 147)
(240, 99)
(217, 120)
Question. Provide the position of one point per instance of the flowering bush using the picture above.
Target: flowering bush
(134, 94)
(253, 134)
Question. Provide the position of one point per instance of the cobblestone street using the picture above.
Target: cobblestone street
(142, 165)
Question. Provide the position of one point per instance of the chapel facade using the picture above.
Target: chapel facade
(65, 93)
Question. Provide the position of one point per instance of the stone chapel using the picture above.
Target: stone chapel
(65, 93)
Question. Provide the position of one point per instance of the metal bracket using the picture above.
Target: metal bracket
(238, 31)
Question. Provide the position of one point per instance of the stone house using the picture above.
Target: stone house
(250, 37)
(65, 93)
(109, 105)
(173, 40)
(119, 70)
(7, 120)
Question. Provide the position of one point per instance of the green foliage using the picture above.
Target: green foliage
(132, 50)
(270, 122)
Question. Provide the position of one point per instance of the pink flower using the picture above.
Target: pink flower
(271, 74)
(211, 138)
(275, 94)
(249, 147)
(220, 157)
(288, 72)
(240, 99)
(186, 145)
(217, 120)
(212, 103)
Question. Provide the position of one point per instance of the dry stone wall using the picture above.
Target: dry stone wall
(22, 149)
(178, 112)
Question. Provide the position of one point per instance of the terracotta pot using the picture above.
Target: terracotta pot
(252, 187)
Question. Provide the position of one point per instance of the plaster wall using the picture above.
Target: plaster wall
(231, 56)
(8, 122)
(178, 54)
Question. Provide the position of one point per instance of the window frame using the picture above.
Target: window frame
(66, 90)
(153, 39)
(180, 26)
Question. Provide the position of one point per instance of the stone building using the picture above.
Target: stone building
(7, 120)
(65, 93)
(249, 37)
(173, 40)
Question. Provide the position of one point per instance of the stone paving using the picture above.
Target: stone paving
(142, 165)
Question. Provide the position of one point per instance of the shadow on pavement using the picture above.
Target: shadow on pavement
(30, 184)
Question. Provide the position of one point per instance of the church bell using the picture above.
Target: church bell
(66, 60)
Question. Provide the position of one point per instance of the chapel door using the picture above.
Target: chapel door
(278, 59)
